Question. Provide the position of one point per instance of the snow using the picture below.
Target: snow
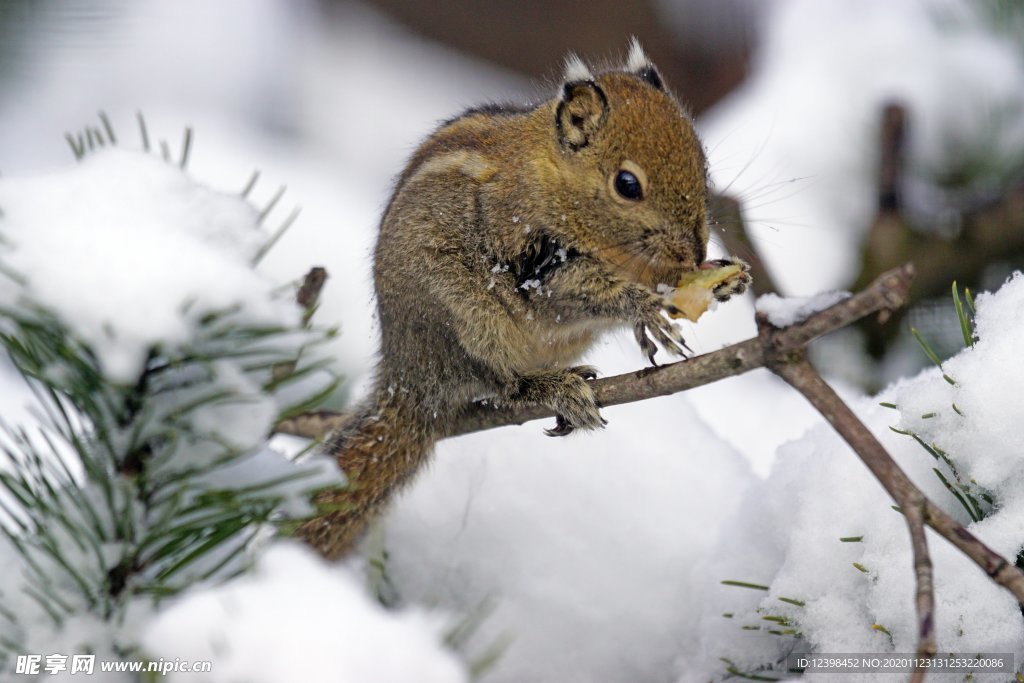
(128, 252)
(589, 549)
(985, 440)
(784, 311)
(791, 541)
(296, 618)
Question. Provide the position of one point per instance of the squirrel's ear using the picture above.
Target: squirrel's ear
(638, 64)
(582, 107)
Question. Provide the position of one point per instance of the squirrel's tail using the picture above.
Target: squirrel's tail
(378, 450)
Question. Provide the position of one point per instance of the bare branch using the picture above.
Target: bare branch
(802, 377)
(924, 599)
(886, 293)
(799, 373)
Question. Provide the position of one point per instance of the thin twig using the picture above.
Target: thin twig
(924, 599)
(893, 479)
(802, 376)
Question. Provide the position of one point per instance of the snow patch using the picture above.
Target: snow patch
(297, 618)
(792, 543)
(575, 543)
(129, 252)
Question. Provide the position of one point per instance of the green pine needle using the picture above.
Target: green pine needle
(745, 584)
(109, 129)
(930, 353)
(961, 314)
(776, 619)
(974, 514)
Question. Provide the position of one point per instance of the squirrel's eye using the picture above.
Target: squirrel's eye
(628, 185)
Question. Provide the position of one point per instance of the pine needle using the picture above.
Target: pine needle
(186, 148)
(251, 184)
(745, 584)
(143, 133)
(272, 203)
(108, 128)
(961, 314)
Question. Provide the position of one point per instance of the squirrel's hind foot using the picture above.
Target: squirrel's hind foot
(567, 393)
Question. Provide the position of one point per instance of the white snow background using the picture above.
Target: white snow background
(593, 558)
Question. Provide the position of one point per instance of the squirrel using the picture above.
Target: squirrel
(514, 237)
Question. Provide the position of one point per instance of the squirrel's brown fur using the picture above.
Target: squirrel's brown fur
(506, 248)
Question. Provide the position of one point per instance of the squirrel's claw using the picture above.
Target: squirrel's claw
(567, 393)
(647, 347)
(561, 428)
(587, 372)
(666, 334)
(734, 285)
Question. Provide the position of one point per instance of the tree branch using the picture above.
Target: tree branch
(782, 351)
(887, 293)
(800, 375)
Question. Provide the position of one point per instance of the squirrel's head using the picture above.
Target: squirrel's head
(626, 172)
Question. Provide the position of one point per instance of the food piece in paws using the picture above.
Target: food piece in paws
(713, 280)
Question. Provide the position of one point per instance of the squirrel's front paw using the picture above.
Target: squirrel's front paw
(661, 328)
(734, 284)
(568, 394)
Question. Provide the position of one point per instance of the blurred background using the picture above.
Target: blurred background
(845, 136)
